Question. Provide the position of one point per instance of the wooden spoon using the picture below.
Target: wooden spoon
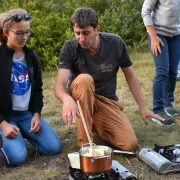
(86, 130)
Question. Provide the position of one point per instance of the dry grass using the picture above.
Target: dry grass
(56, 167)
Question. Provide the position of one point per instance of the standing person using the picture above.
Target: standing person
(91, 60)
(21, 92)
(162, 21)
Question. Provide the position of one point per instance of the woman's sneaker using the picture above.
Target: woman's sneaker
(168, 120)
(170, 111)
(3, 157)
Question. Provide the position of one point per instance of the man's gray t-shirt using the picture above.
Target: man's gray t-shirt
(103, 66)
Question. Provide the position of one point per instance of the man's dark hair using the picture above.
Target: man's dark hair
(84, 16)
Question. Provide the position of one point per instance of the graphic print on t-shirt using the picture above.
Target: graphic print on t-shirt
(19, 79)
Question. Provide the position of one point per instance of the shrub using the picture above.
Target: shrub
(51, 23)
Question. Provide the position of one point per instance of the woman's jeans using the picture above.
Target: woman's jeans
(46, 140)
(166, 65)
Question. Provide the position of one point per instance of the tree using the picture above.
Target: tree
(51, 23)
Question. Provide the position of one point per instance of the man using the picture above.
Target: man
(90, 62)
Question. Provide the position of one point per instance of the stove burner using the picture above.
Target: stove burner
(96, 176)
(77, 174)
(171, 152)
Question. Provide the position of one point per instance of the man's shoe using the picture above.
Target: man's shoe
(3, 157)
(170, 111)
(168, 120)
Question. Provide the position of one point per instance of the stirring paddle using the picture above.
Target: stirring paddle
(92, 149)
(84, 123)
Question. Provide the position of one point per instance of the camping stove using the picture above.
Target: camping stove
(161, 162)
(118, 172)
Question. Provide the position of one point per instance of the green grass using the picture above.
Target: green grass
(56, 167)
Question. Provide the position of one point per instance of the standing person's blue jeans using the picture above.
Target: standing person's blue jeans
(166, 65)
(46, 140)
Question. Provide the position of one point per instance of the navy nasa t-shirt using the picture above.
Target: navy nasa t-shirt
(20, 84)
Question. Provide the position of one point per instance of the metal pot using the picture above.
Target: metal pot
(95, 164)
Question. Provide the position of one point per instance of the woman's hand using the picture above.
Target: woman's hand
(156, 44)
(9, 130)
(35, 123)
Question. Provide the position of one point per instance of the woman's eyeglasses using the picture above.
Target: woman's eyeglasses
(19, 17)
(22, 33)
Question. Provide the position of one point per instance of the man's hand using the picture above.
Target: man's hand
(69, 111)
(146, 113)
(35, 123)
(9, 130)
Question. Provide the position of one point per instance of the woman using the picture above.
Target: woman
(21, 92)
(162, 21)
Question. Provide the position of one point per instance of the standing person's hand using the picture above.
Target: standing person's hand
(35, 123)
(69, 111)
(9, 130)
(156, 44)
(146, 114)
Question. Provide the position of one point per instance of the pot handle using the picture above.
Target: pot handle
(88, 144)
(101, 157)
(124, 152)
